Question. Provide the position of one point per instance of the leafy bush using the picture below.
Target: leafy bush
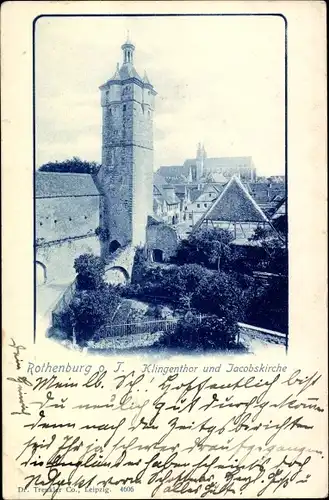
(174, 284)
(102, 233)
(90, 272)
(74, 165)
(211, 333)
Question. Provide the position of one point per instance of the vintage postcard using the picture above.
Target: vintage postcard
(164, 250)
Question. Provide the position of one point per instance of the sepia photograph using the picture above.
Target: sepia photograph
(160, 183)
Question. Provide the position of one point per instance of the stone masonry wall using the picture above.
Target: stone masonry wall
(66, 217)
(126, 174)
(59, 258)
(162, 237)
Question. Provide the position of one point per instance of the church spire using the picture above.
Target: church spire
(128, 51)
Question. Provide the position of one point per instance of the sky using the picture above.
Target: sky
(220, 81)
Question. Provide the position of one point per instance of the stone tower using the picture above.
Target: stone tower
(200, 157)
(126, 174)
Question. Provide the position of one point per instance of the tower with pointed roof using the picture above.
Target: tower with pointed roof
(126, 175)
(200, 157)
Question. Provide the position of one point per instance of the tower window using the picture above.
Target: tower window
(124, 107)
(110, 111)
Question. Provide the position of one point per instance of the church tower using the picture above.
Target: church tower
(126, 174)
(200, 157)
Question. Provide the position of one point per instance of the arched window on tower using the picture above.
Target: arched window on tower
(113, 246)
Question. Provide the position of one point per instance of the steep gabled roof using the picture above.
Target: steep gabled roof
(51, 184)
(166, 193)
(234, 204)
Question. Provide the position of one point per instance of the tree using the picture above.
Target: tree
(94, 301)
(221, 296)
(90, 309)
(275, 249)
(139, 265)
(269, 309)
(73, 165)
(206, 247)
(90, 272)
(186, 280)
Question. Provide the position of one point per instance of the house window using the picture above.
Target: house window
(209, 195)
(124, 107)
(190, 216)
(205, 205)
(198, 205)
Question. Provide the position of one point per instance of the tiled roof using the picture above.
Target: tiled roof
(167, 194)
(153, 220)
(194, 194)
(175, 171)
(217, 178)
(234, 204)
(180, 189)
(128, 71)
(50, 184)
(159, 180)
